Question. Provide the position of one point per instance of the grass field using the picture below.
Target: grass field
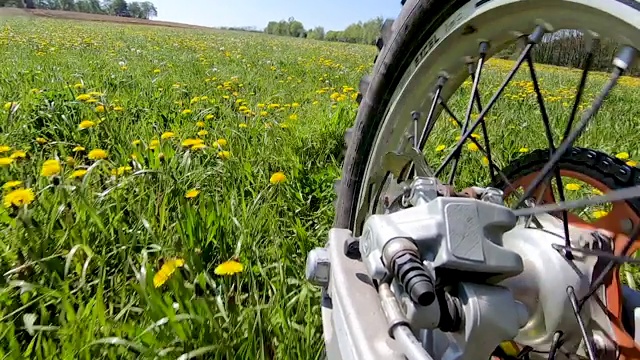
(137, 147)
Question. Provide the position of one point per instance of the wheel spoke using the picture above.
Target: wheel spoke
(536, 35)
(583, 82)
(484, 47)
(576, 311)
(495, 167)
(552, 146)
(621, 63)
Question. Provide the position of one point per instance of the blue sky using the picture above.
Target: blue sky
(332, 14)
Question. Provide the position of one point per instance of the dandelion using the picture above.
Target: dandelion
(228, 268)
(135, 142)
(97, 154)
(100, 109)
(156, 71)
(597, 192)
(200, 124)
(277, 178)
(153, 144)
(222, 142)
(70, 161)
(599, 214)
(264, 113)
(191, 142)
(78, 149)
(165, 272)
(485, 161)
(118, 108)
(293, 117)
(295, 105)
(523, 150)
(50, 168)
(224, 155)
(208, 117)
(192, 193)
(120, 171)
(632, 163)
(186, 112)
(573, 187)
(203, 133)
(18, 198)
(9, 185)
(41, 140)
(198, 147)
(242, 125)
(78, 174)
(440, 148)
(4, 148)
(472, 147)
(622, 155)
(18, 154)
(86, 124)
(167, 135)
(10, 105)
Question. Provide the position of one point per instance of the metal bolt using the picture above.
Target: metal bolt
(318, 267)
(493, 195)
(352, 249)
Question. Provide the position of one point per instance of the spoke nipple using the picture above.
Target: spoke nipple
(625, 57)
(484, 48)
(442, 79)
(415, 115)
(536, 35)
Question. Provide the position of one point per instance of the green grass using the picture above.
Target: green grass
(79, 261)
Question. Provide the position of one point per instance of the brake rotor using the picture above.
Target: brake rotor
(605, 174)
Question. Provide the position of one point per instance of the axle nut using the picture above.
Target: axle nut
(318, 269)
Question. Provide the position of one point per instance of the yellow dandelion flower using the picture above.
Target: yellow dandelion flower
(597, 192)
(97, 154)
(203, 133)
(86, 124)
(18, 154)
(242, 125)
(167, 135)
(485, 161)
(153, 144)
(264, 113)
(78, 86)
(278, 178)
(50, 168)
(599, 214)
(120, 171)
(295, 105)
(10, 105)
(440, 148)
(475, 136)
(192, 193)
(9, 185)
(118, 108)
(18, 198)
(41, 140)
(168, 268)
(632, 163)
(191, 142)
(186, 111)
(78, 149)
(135, 142)
(78, 174)
(472, 147)
(228, 268)
(70, 161)
(224, 155)
(622, 155)
(200, 124)
(293, 117)
(4, 148)
(208, 117)
(83, 97)
(261, 105)
(100, 109)
(156, 71)
(198, 147)
(222, 142)
(523, 150)
(573, 187)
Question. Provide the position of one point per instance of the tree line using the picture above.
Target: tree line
(361, 32)
(136, 9)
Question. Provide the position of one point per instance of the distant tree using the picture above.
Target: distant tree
(148, 9)
(120, 8)
(136, 10)
(316, 33)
